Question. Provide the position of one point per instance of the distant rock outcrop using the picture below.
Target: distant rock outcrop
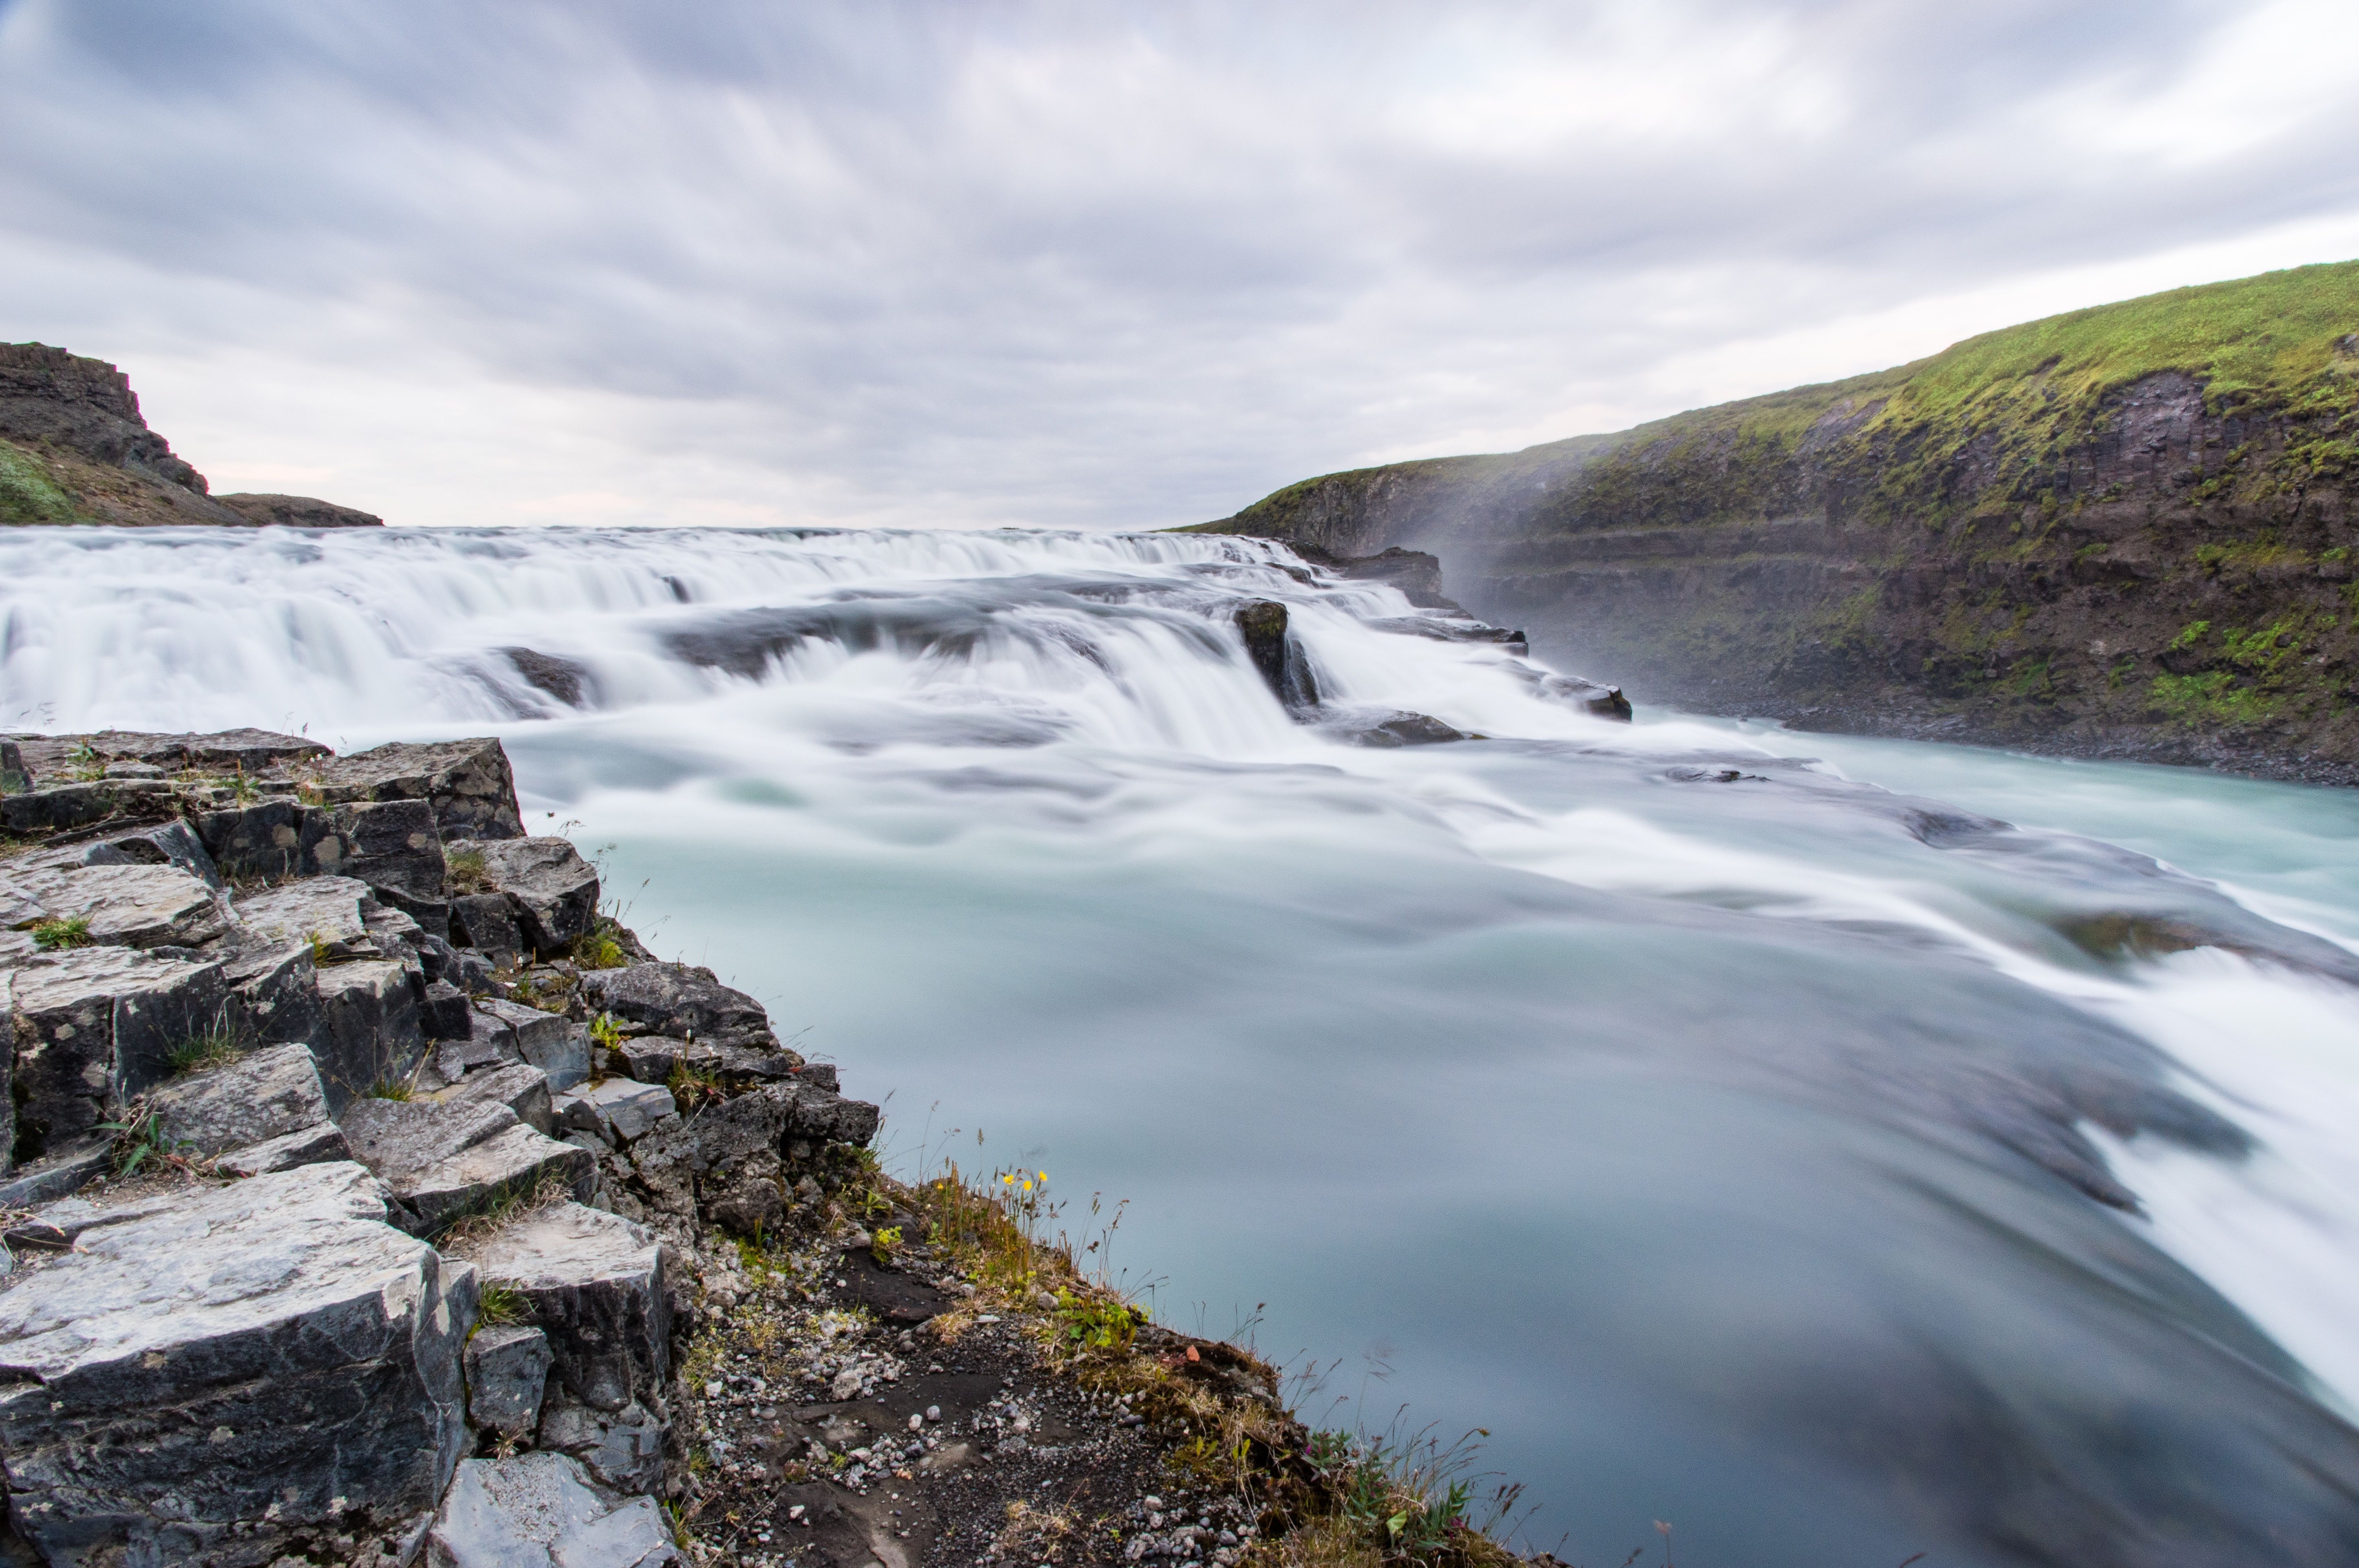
(297, 511)
(75, 448)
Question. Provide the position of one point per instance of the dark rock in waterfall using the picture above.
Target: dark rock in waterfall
(566, 680)
(1605, 701)
(1451, 629)
(1404, 729)
(1415, 573)
(1277, 654)
(297, 511)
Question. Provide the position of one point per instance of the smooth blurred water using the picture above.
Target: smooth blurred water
(1724, 1146)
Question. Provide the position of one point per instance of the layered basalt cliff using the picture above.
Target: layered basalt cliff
(2128, 531)
(75, 448)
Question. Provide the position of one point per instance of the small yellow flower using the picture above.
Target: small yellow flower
(1028, 1187)
(1044, 1175)
(1009, 1179)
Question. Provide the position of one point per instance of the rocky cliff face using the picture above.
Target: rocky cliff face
(2125, 532)
(74, 448)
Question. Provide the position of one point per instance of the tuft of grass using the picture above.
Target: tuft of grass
(210, 1049)
(597, 948)
(392, 1089)
(57, 935)
(501, 1304)
(692, 1087)
(141, 1141)
(606, 1031)
(465, 871)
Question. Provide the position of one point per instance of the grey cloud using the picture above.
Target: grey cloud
(1061, 262)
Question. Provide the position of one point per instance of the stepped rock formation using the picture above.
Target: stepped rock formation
(2128, 531)
(74, 448)
(241, 964)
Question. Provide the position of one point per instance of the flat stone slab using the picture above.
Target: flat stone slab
(681, 1002)
(593, 1283)
(310, 1146)
(541, 1510)
(54, 808)
(523, 1089)
(331, 914)
(247, 1371)
(447, 1162)
(546, 1039)
(252, 1099)
(128, 905)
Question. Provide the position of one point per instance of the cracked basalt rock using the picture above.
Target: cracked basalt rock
(594, 1284)
(620, 1110)
(507, 1374)
(255, 1097)
(94, 1027)
(521, 1088)
(488, 923)
(679, 1001)
(371, 1032)
(545, 1040)
(49, 808)
(446, 1162)
(157, 844)
(239, 1373)
(467, 783)
(127, 905)
(550, 889)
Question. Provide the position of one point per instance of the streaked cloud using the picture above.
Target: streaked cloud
(979, 263)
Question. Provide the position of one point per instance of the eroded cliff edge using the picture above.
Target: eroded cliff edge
(75, 448)
(2128, 531)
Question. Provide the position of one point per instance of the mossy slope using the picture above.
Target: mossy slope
(2007, 540)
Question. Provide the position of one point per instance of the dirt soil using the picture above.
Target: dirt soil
(848, 1414)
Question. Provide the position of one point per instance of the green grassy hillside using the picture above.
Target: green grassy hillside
(2127, 528)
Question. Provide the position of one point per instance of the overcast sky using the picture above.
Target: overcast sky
(1091, 264)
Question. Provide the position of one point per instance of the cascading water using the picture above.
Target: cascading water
(1833, 1173)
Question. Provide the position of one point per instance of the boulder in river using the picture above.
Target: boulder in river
(1275, 652)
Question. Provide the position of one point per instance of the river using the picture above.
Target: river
(1835, 1149)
